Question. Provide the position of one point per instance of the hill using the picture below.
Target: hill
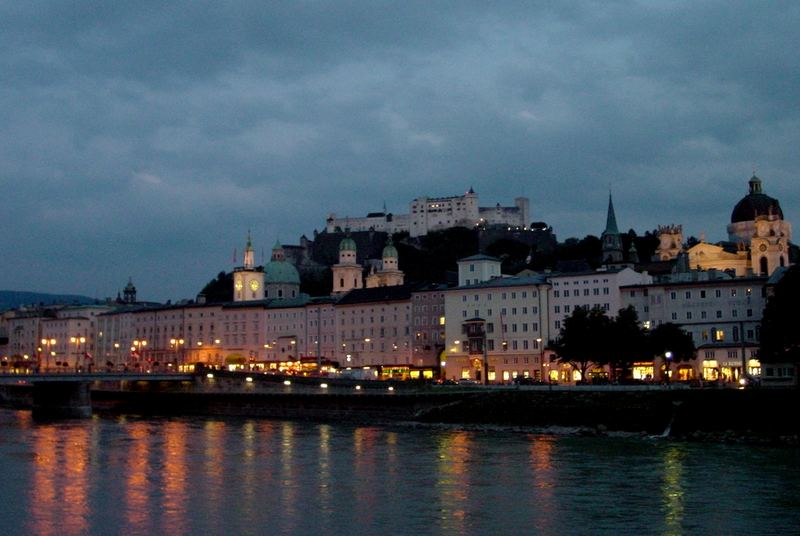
(11, 299)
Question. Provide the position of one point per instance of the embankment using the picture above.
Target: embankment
(691, 413)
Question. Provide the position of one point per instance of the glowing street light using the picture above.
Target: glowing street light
(77, 341)
(48, 343)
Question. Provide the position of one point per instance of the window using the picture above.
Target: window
(749, 312)
(733, 293)
(605, 291)
(586, 292)
(674, 316)
(719, 314)
(471, 267)
(557, 309)
(702, 293)
(734, 313)
(596, 291)
(719, 335)
(566, 309)
(556, 294)
(688, 294)
(576, 292)
(673, 295)
(688, 315)
(703, 315)
(718, 293)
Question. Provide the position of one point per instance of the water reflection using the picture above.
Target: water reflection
(137, 487)
(672, 489)
(188, 476)
(543, 475)
(174, 477)
(288, 487)
(213, 464)
(454, 454)
(60, 486)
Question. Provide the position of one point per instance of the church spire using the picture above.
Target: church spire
(249, 254)
(611, 239)
(611, 219)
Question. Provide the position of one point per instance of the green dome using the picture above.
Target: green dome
(281, 272)
(390, 251)
(347, 244)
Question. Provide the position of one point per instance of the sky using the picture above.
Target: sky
(143, 139)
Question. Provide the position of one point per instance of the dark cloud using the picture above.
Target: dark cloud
(144, 138)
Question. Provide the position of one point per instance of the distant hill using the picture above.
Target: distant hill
(11, 299)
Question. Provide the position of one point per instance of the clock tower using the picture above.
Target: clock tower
(248, 280)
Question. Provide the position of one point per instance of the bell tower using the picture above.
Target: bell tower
(347, 273)
(611, 239)
(248, 280)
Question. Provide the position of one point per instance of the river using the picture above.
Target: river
(176, 476)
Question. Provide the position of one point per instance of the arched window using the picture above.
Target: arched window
(763, 265)
(341, 282)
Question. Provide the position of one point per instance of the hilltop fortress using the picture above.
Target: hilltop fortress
(428, 214)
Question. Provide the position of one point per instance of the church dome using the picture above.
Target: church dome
(755, 203)
(389, 251)
(281, 272)
(348, 244)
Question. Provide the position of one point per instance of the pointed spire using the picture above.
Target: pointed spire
(249, 254)
(611, 220)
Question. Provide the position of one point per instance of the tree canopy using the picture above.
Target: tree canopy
(583, 340)
(780, 336)
(591, 337)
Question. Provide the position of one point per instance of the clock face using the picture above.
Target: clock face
(763, 247)
(254, 284)
(238, 284)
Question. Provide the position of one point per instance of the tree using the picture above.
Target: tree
(583, 340)
(628, 343)
(671, 344)
(220, 289)
(780, 336)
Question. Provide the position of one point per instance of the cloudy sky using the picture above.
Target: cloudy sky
(142, 139)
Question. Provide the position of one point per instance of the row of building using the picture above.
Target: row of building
(375, 324)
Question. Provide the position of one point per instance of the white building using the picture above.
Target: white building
(722, 314)
(591, 289)
(428, 214)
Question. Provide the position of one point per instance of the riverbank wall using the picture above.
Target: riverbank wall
(765, 413)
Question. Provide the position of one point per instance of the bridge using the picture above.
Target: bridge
(67, 395)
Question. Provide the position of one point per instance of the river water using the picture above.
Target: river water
(127, 475)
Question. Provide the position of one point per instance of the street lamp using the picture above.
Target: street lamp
(77, 341)
(667, 364)
(177, 345)
(138, 348)
(48, 343)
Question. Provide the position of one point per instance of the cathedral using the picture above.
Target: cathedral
(758, 239)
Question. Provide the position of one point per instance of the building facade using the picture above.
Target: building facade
(428, 214)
